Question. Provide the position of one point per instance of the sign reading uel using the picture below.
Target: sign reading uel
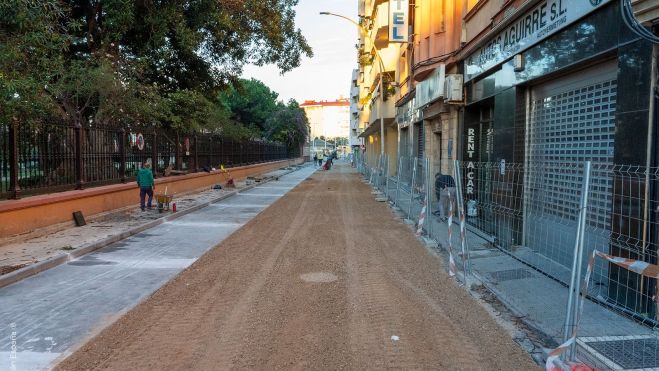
(538, 23)
(398, 20)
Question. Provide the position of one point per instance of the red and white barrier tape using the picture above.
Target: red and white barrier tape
(422, 217)
(451, 262)
(636, 266)
(463, 235)
(556, 353)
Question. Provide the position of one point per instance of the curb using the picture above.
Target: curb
(33, 269)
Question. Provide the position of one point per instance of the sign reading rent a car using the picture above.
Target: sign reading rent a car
(398, 21)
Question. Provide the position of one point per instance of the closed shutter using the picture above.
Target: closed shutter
(572, 121)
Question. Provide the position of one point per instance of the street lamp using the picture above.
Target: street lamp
(380, 84)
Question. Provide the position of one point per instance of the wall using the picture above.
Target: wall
(391, 148)
(25, 215)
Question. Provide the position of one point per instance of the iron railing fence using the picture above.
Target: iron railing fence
(46, 157)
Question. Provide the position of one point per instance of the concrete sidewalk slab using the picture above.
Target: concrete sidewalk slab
(190, 203)
(54, 311)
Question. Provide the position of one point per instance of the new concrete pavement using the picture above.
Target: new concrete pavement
(51, 313)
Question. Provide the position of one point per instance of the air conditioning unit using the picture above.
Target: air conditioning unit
(453, 88)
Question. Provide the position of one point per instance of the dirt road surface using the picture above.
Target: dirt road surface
(325, 279)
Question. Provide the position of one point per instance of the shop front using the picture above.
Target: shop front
(561, 84)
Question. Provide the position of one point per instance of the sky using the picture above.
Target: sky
(327, 75)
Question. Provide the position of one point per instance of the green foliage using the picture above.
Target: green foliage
(142, 61)
(288, 124)
(32, 42)
(251, 102)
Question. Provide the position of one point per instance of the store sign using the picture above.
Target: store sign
(408, 114)
(431, 88)
(542, 21)
(471, 157)
(398, 21)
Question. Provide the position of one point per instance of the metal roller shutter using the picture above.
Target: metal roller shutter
(572, 120)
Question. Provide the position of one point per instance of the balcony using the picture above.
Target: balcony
(354, 92)
(388, 110)
(381, 26)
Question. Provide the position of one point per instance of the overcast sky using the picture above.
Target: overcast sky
(327, 75)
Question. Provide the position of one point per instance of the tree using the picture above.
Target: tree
(95, 61)
(288, 125)
(251, 103)
(32, 42)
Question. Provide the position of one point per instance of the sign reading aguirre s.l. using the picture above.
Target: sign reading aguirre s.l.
(543, 20)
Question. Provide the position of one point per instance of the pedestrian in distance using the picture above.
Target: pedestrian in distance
(445, 192)
(321, 157)
(315, 160)
(146, 184)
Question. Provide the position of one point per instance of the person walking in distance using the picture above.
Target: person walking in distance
(445, 192)
(315, 159)
(321, 157)
(145, 182)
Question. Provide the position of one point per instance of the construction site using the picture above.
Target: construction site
(304, 271)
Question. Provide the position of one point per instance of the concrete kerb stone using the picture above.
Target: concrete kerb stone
(31, 270)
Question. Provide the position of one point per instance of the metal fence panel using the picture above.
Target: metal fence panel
(53, 156)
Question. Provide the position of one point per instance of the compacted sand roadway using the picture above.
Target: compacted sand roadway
(324, 279)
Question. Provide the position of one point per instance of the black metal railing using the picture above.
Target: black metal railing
(45, 157)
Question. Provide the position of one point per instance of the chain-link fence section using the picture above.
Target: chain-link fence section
(533, 231)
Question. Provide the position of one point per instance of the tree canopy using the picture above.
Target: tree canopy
(165, 62)
(256, 106)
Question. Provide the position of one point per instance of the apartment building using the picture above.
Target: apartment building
(354, 140)
(378, 60)
(429, 98)
(328, 119)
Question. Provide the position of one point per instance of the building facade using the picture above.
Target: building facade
(525, 82)
(377, 59)
(557, 82)
(354, 140)
(427, 112)
(328, 119)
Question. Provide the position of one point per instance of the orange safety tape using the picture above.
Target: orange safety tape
(636, 266)
(451, 262)
(422, 217)
(554, 354)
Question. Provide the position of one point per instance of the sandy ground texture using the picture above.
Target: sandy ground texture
(326, 278)
(22, 250)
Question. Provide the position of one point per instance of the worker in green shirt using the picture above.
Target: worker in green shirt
(145, 182)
